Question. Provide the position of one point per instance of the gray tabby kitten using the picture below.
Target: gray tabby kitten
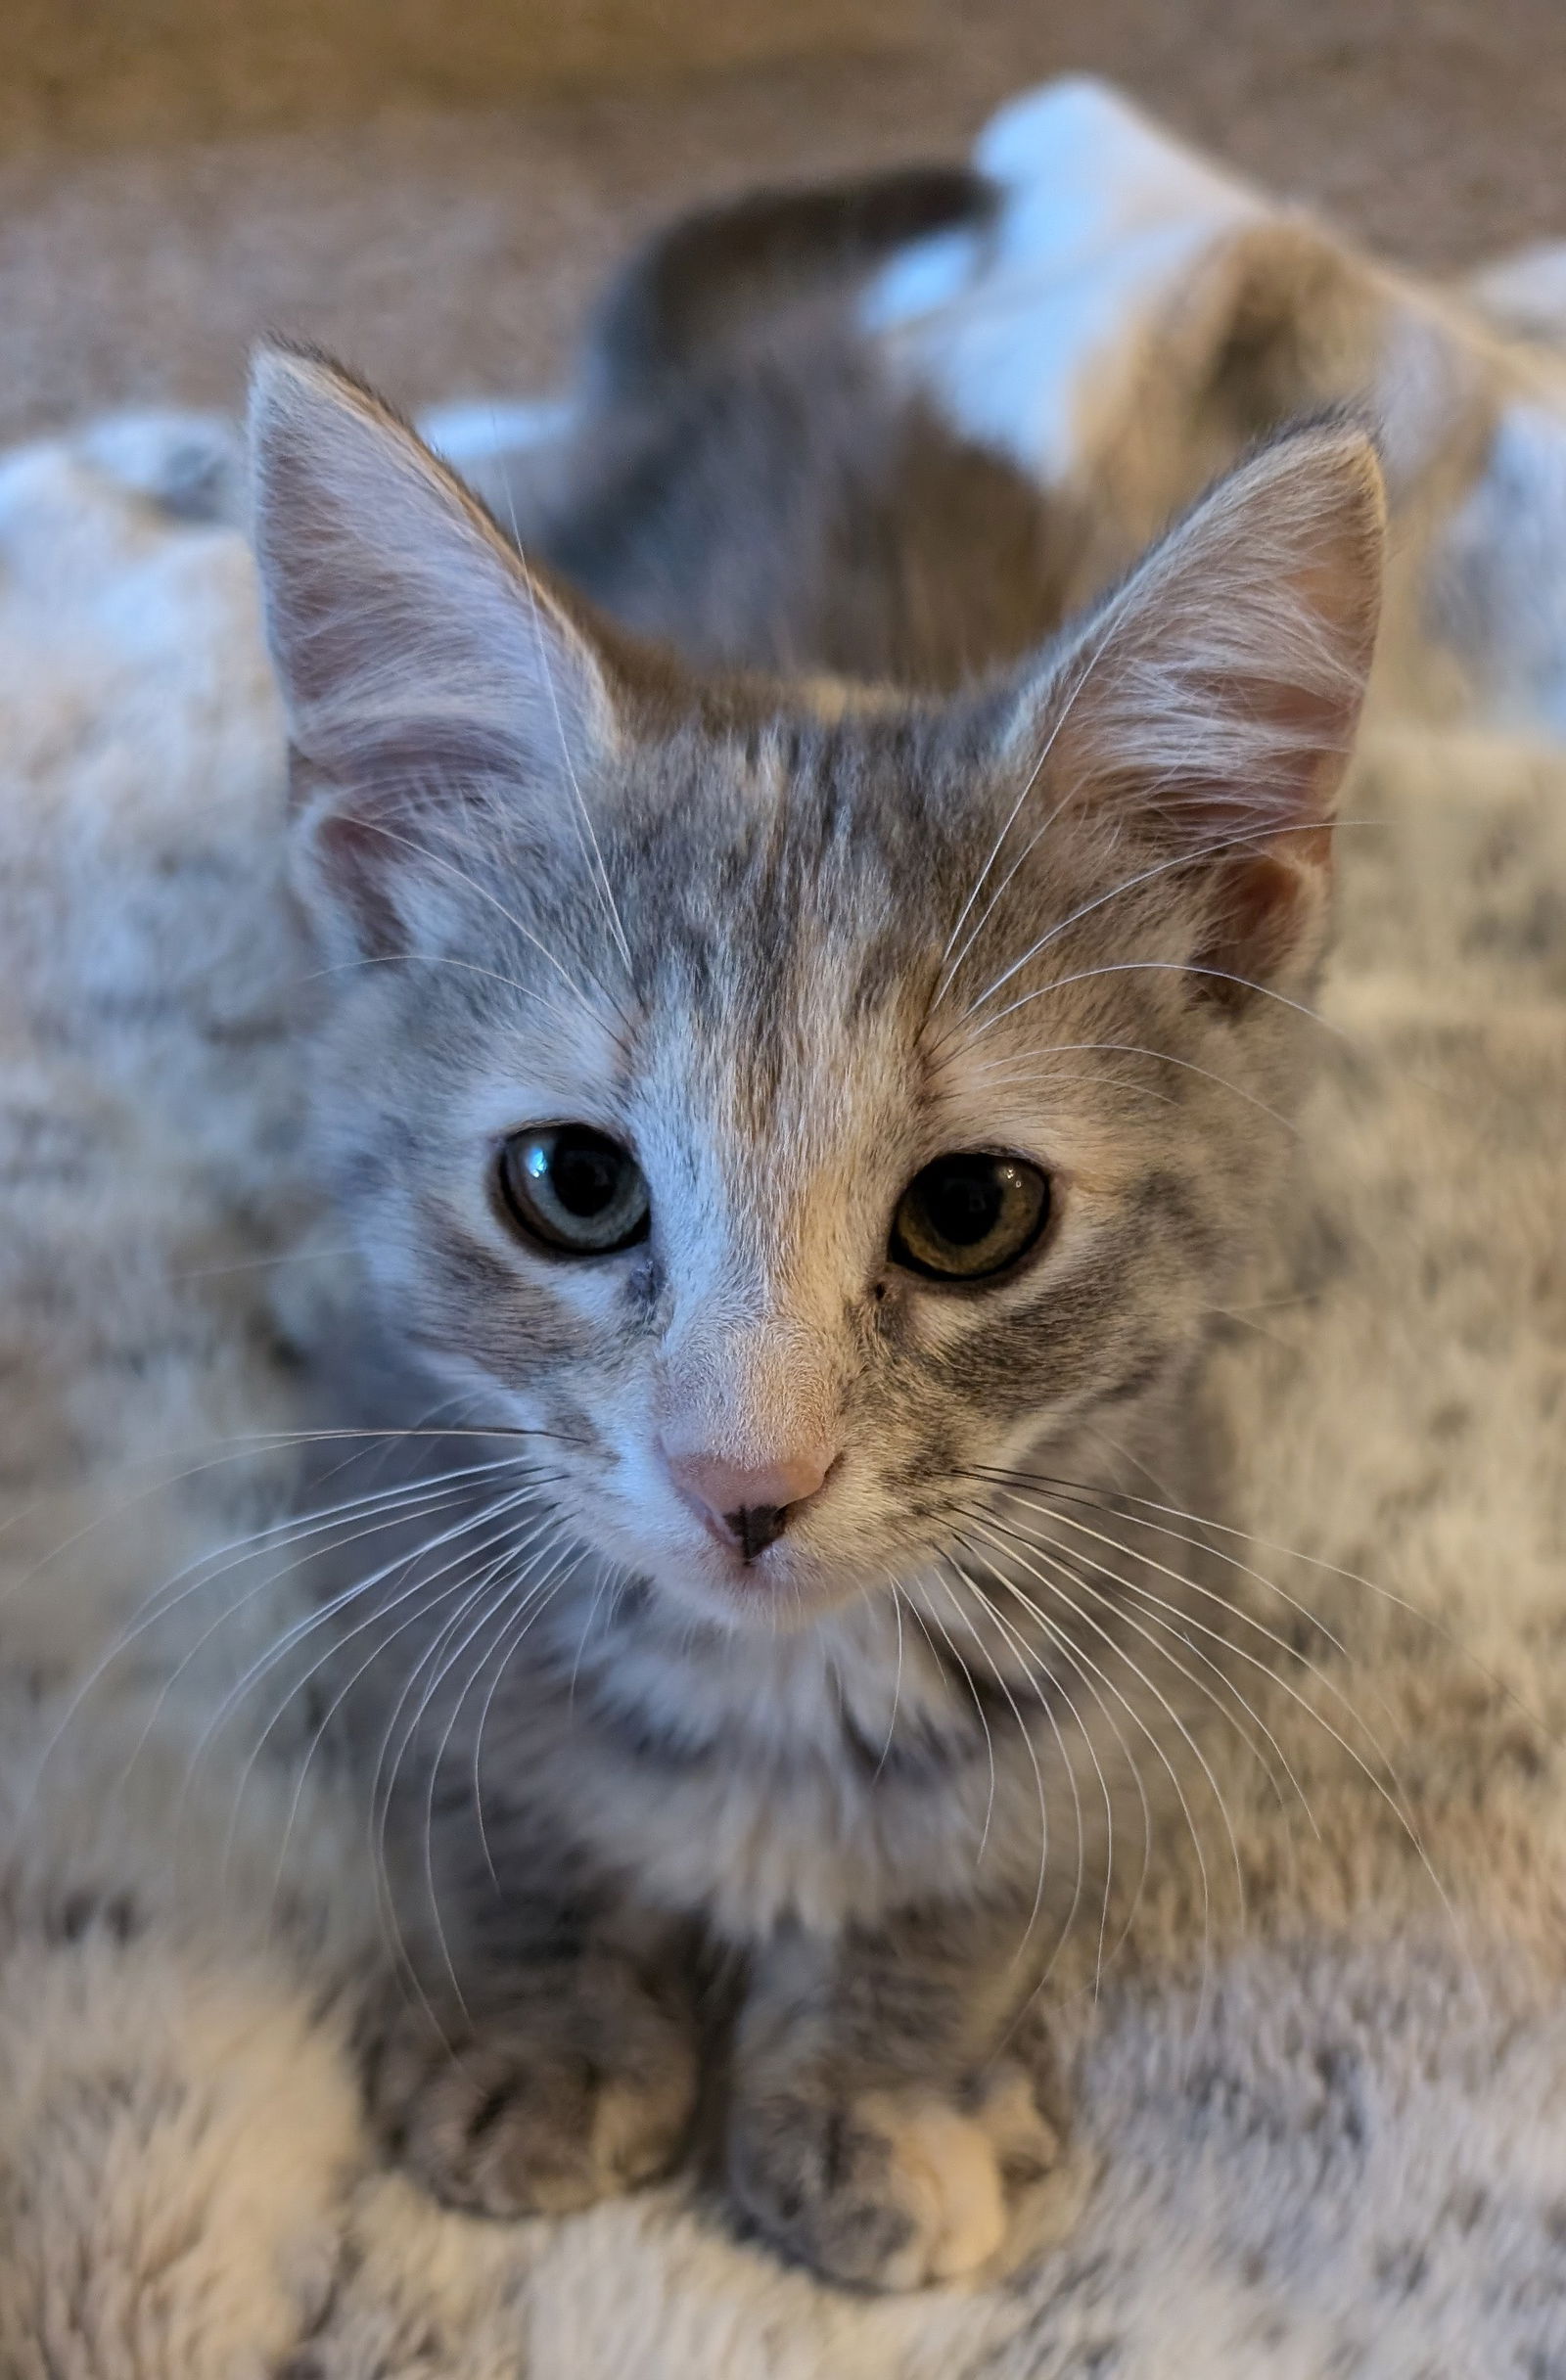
(807, 1053)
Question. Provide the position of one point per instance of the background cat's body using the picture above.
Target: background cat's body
(748, 482)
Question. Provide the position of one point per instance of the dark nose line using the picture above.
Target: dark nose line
(755, 1527)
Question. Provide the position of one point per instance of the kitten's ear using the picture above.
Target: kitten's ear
(1207, 710)
(424, 669)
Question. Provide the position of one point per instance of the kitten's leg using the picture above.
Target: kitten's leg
(567, 2075)
(893, 2122)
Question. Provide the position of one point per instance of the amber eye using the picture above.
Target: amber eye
(573, 1189)
(968, 1216)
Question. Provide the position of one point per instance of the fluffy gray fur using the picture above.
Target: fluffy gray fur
(788, 895)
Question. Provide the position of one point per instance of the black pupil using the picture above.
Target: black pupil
(585, 1176)
(962, 1201)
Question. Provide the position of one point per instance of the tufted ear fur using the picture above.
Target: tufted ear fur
(428, 674)
(1205, 713)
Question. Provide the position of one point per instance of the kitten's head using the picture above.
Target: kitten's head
(801, 1102)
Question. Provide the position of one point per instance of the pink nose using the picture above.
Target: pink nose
(747, 1506)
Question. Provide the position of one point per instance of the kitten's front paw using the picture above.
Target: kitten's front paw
(538, 2109)
(897, 2188)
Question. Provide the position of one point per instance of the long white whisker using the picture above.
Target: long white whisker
(1010, 1636)
(1165, 1057)
(496, 1513)
(1394, 1798)
(320, 1615)
(1085, 1662)
(586, 826)
(1116, 1085)
(599, 1593)
(539, 1595)
(393, 1504)
(1052, 1588)
(585, 819)
(1290, 1553)
(413, 1594)
(383, 1785)
(1211, 1594)
(1215, 974)
(481, 1592)
(419, 1613)
(436, 958)
(1108, 621)
(897, 1684)
(1042, 1679)
(471, 884)
(1062, 1595)
(502, 1605)
(1052, 1552)
(1258, 839)
(961, 1667)
(233, 1450)
(323, 1615)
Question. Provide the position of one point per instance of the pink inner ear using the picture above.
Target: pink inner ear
(352, 855)
(1265, 905)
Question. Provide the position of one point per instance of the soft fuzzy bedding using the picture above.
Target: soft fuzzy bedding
(1322, 2079)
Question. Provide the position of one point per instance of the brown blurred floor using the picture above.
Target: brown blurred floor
(448, 249)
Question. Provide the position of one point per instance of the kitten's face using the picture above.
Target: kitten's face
(776, 1066)
(680, 1009)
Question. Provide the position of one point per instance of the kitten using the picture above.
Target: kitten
(807, 1056)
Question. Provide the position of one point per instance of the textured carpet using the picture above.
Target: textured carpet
(1322, 2079)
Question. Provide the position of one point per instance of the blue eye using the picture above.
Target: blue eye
(970, 1216)
(573, 1190)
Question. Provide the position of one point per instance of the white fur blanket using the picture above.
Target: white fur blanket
(1323, 2083)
